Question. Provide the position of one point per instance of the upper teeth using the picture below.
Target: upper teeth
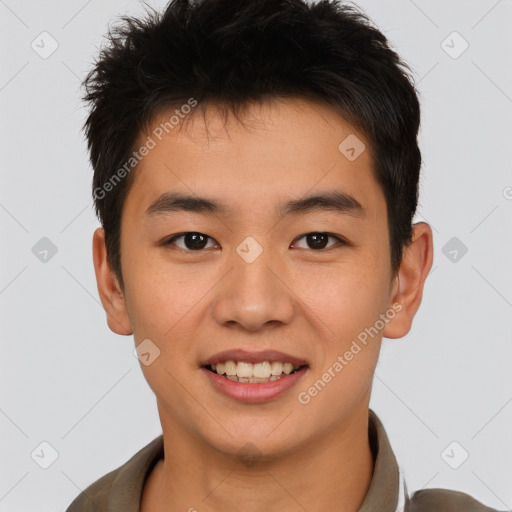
(261, 370)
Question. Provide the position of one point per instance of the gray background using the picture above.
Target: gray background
(68, 381)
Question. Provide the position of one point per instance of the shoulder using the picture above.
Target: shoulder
(95, 497)
(122, 487)
(445, 500)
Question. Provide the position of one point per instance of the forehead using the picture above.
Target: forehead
(280, 149)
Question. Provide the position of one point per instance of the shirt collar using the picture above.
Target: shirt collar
(387, 491)
(126, 491)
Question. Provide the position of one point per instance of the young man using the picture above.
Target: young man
(256, 175)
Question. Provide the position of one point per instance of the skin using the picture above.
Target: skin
(295, 298)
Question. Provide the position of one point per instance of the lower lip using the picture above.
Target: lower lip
(254, 392)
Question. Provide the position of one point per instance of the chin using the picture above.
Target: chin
(254, 439)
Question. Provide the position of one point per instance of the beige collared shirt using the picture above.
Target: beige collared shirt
(121, 489)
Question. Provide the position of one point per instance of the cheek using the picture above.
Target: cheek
(349, 302)
(348, 296)
(160, 294)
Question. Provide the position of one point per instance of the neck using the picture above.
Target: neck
(333, 473)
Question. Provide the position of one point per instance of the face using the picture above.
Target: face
(257, 262)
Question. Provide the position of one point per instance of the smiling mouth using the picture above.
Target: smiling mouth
(258, 373)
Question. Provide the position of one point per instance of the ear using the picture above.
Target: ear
(111, 295)
(408, 284)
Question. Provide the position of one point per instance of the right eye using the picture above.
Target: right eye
(190, 241)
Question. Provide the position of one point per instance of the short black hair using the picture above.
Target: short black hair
(230, 53)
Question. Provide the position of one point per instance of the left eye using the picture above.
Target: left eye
(192, 241)
(318, 240)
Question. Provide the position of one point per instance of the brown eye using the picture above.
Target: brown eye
(318, 241)
(191, 241)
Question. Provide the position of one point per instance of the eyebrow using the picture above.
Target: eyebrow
(332, 200)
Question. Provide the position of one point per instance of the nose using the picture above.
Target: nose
(254, 295)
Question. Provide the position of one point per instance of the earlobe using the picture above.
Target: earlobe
(408, 288)
(109, 289)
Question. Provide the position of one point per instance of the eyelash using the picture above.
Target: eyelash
(170, 241)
